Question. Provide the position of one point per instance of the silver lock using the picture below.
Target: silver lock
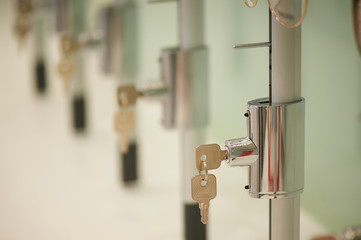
(273, 149)
(241, 152)
(278, 131)
(165, 89)
(169, 76)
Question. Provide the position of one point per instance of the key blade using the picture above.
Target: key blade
(66, 68)
(204, 211)
(124, 121)
(211, 153)
(68, 44)
(203, 193)
(124, 143)
(123, 125)
(127, 95)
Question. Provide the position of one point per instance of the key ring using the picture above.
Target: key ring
(204, 168)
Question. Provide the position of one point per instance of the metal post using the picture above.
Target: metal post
(40, 73)
(127, 74)
(285, 87)
(78, 85)
(191, 37)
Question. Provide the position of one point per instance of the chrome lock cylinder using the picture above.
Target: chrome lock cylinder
(278, 132)
(273, 150)
(163, 90)
(241, 152)
(169, 75)
(112, 35)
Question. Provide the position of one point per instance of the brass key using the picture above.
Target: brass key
(66, 70)
(68, 46)
(211, 154)
(22, 27)
(202, 192)
(123, 125)
(127, 95)
(24, 10)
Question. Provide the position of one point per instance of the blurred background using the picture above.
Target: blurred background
(57, 184)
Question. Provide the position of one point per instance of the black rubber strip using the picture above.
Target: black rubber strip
(194, 228)
(40, 76)
(79, 113)
(129, 166)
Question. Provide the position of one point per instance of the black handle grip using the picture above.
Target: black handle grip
(129, 164)
(194, 228)
(40, 76)
(79, 113)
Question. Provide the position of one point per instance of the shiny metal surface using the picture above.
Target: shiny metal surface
(165, 89)
(285, 81)
(252, 45)
(241, 152)
(169, 77)
(285, 218)
(278, 133)
(152, 90)
(192, 88)
(118, 24)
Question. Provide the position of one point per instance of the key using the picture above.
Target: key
(68, 44)
(23, 13)
(65, 70)
(203, 192)
(24, 7)
(127, 95)
(123, 125)
(211, 154)
(21, 28)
